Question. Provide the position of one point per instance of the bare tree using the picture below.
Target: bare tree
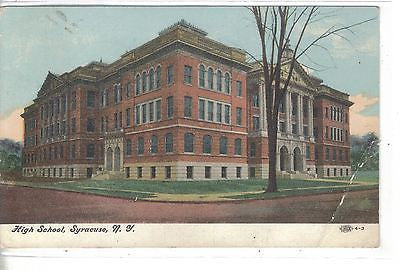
(277, 26)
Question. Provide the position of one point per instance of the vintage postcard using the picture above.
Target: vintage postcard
(189, 126)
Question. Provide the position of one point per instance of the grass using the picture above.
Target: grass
(224, 189)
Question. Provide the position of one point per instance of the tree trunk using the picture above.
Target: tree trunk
(272, 142)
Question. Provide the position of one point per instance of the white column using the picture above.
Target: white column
(300, 114)
(288, 106)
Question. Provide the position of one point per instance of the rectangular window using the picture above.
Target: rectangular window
(239, 88)
(282, 126)
(128, 90)
(210, 111)
(90, 99)
(307, 152)
(120, 119)
(153, 171)
(72, 151)
(170, 74)
(189, 172)
(128, 117)
(90, 151)
(188, 106)
(255, 100)
(256, 123)
(224, 172)
(144, 113)
(167, 172)
(151, 111)
(227, 114)
(137, 114)
(73, 125)
(326, 132)
(252, 172)
(139, 171)
(207, 172)
(202, 109)
(238, 172)
(327, 154)
(238, 116)
(223, 145)
(90, 126)
(115, 120)
(219, 112)
(187, 77)
(158, 109)
(170, 107)
(140, 146)
(305, 131)
(238, 146)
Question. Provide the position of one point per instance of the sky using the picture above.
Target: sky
(36, 40)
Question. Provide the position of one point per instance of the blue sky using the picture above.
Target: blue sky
(36, 40)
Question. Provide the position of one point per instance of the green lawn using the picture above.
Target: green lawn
(142, 189)
(364, 176)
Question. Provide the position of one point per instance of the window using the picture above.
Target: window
(331, 112)
(238, 146)
(219, 112)
(207, 142)
(316, 153)
(90, 126)
(210, 78)
(73, 125)
(252, 172)
(90, 150)
(239, 90)
(128, 117)
(327, 154)
(167, 172)
(282, 126)
(115, 120)
(334, 154)
(128, 147)
(151, 79)
(137, 85)
(238, 116)
(170, 74)
(144, 113)
(154, 144)
(305, 131)
(326, 132)
(223, 145)
(227, 83)
(340, 155)
(187, 76)
(151, 111)
(201, 109)
(224, 173)
(210, 111)
(307, 152)
(327, 172)
(326, 112)
(144, 81)
(255, 100)
(169, 143)
(188, 106)
(252, 149)
(219, 80)
(189, 172)
(128, 90)
(158, 77)
(140, 146)
(238, 172)
(256, 123)
(158, 109)
(72, 151)
(139, 172)
(227, 114)
(202, 75)
(153, 172)
(188, 143)
(90, 100)
(120, 119)
(73, 102)
(170, 107)
(60, 172)
(116, 98)
(137, 114)
(207, 172)
(334, 172)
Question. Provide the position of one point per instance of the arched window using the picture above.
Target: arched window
(202, 75)
(137, 85)
(128, 147)
(210, 78)
(158, 77)
(207, 142)
(144, 81)
(219, 80)
(227, 83)
(223, 145)
(154, 144)
(151, 80)
(169, 143)
(238, 146)
(188, 144)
